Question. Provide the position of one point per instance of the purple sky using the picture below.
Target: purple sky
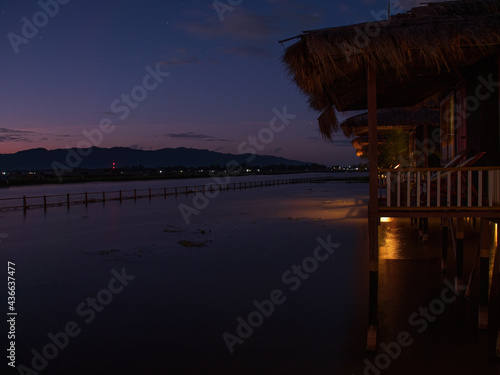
(77, 69)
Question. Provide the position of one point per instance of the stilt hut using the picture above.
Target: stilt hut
(449, 50)
(414, 124)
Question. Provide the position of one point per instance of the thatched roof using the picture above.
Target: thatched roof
(415, 55)
(390, 119)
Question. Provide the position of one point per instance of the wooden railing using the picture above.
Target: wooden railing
(465, 187)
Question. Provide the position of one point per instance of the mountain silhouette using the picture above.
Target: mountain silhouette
(96, 157)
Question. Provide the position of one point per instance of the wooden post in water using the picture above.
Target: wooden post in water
(496, 270)
(120, 196)
(176, 192)
(444, 255)
(25, 205)
(135, 194)
(484, 273)
(373, 219)
(67, 200)
(149, 193)
(44, 202)
(86, 199)
(164, 193)
(460, 254)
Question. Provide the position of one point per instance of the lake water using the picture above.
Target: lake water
(171, 296)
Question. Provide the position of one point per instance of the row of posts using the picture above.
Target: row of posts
(240, 185)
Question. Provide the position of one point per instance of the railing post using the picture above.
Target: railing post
(448, 189)
(459, 188)
(428, 188)
(388, 189)
(398, 192)
(490, 187)
(480, 189)
(408, 189)
(419, 188)
(469, 189)
(438, 191)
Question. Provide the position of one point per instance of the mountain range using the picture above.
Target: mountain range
(96, 157)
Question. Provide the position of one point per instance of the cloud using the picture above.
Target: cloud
(196, 136)
(278, 150)
(249, 51)
(14, 135)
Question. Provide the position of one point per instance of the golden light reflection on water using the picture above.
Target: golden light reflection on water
(390, 244)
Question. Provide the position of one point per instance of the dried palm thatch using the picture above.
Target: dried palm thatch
(415, 55)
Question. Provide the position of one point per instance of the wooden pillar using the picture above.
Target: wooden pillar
(460, 254)
(444, 255)
(496, 270)
(373, 219)
(484, 274)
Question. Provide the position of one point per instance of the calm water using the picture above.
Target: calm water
(171, 317)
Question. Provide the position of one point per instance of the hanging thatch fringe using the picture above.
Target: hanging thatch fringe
(328, 123)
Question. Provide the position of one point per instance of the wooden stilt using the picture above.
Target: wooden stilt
(484, 267)
(425, 236)
(444, 256)
(460, 254)
(373, 219)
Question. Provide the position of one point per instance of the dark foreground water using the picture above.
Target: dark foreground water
(134, 288)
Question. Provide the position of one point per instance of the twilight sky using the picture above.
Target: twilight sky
(163, 73)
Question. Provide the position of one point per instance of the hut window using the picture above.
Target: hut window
(460, 120)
